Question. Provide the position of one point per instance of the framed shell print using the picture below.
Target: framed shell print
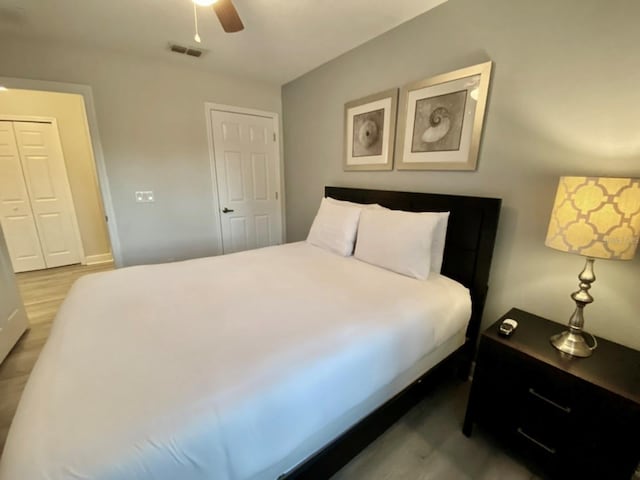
(369, 131)
(441, 120)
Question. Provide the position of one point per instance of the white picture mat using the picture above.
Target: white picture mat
(369, 107)
(461, 155)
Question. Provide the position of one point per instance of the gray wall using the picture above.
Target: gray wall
(151, 120)
(564, 101)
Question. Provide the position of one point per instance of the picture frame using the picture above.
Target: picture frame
(441, 120)
(370, 131)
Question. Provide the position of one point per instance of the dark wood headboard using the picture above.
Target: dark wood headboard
(471, 235)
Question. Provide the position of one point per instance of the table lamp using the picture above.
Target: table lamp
(596, 217)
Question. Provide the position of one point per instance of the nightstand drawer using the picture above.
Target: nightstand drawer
(534, 385)
(513, 407)
(501, 404)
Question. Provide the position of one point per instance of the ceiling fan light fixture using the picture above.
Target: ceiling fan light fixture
(204, 3)
(224, 10)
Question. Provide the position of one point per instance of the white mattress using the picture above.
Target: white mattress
(233, 367)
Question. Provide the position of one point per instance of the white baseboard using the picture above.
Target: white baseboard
(98, 259)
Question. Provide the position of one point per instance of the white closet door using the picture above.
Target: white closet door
(16, 216)
(248, 176)
(46, 179)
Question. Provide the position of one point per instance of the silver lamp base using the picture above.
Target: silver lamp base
(572, 343)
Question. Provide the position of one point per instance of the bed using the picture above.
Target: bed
(277, 362)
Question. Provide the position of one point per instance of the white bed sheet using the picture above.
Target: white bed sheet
(350, 417)
(220, 368)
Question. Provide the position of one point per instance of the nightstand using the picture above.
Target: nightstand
(570, 417)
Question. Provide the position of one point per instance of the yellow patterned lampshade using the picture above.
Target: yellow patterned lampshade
(596, 217)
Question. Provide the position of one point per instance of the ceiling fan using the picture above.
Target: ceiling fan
(226, 12)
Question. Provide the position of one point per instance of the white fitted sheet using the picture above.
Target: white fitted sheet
(229, 367)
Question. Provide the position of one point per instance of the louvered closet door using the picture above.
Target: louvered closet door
(248, 176)
(16, 215)
(46, 179)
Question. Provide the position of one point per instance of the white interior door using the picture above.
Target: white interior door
(16, 216)
(248, 177)
(13, 319)
(46, 179)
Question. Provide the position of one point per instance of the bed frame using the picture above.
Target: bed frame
(471, 234)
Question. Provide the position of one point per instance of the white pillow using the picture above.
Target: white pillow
(438, 240)
(335, 227)
(353, 204)
(396, 240)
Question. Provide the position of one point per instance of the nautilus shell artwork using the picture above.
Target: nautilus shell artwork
(438, 122)
(439, 125)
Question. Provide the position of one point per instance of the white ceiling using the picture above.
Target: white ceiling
(282, 40)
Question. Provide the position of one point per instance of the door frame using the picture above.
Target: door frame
(74, 217)
(96, 146)
(209, 107)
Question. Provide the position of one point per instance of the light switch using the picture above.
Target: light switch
(144, 196)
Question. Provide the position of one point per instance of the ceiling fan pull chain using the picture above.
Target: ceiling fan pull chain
(195, 20)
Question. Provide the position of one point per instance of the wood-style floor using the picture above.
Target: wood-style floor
(42, 293)
(427, 443)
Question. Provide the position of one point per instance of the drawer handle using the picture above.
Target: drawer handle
(536, 442)
(550, 402)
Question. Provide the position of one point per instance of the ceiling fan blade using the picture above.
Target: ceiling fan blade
(228, 16)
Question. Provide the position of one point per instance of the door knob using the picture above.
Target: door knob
(226, 210)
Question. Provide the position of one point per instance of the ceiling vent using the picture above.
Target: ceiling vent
(191, 51)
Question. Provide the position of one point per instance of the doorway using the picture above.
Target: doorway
(36, 207)
(247, 171)
(90, 184)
